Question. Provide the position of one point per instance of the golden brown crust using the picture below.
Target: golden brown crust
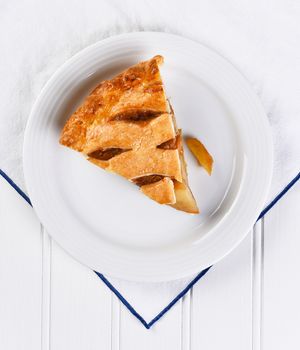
(147, 161)
(130, 135)
(161, 191)
(137, 88)
(100, 163)
(127, 126)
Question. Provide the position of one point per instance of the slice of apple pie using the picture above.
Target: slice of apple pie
(127, 126)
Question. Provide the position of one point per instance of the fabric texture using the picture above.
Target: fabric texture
(260, 38)
(142, 292)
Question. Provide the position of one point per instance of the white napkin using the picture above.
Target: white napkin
(151, 299)
(260, 38)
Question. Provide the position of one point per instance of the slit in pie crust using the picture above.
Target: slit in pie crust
(128, 127)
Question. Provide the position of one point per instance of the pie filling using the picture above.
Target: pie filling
(148, 179)
(170, 144)
(106, 154)
(137, 115)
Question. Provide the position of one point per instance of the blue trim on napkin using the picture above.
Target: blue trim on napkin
(189, 286)
(166, 309)
(15, 186)
(279, 196)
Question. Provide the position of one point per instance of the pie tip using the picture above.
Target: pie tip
(159, 59)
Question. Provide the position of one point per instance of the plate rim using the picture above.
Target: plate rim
(69, 62)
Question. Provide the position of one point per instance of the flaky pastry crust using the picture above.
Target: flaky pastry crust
(127, 126)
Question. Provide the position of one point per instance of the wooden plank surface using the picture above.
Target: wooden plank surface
(249, 300)
(281, 277)
(222, 303)
(20, 273)
(80, 305)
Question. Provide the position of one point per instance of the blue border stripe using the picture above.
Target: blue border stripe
(165, 310)
(179, 296)
(131, 309)
(15, 186)
(122, 299)
(279, 196)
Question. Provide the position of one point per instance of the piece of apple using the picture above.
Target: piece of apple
(185, 200)
(201, 153)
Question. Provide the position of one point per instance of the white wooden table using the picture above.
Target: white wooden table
(250, 300)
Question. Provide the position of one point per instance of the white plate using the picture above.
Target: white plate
(103, 220)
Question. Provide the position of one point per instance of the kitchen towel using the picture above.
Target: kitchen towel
(261, 38)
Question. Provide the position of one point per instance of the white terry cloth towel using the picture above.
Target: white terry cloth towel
(261, 38)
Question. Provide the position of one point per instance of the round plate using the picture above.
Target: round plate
(103, 220)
